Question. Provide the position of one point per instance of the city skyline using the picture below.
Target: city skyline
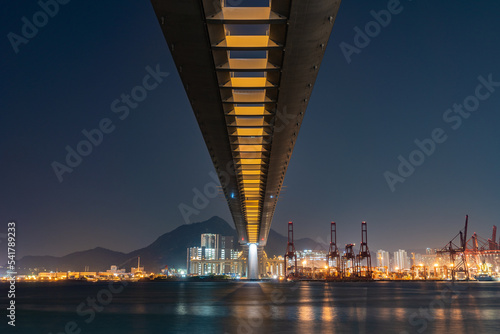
(321, 244)
(218, 245)
(218, 254)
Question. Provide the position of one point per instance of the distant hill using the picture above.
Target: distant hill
(95, 258)
(276, 244)
(169, 249)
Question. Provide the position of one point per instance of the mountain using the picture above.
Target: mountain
(276, 244)
(169, 249)
(99, 257)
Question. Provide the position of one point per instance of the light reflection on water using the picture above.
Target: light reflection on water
(247, 308)
(305, 310)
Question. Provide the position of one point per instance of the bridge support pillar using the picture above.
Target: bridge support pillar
(253, 262)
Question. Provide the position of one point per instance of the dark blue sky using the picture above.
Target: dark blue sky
(361, 117)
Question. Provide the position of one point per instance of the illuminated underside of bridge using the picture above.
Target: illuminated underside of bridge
(248, 73)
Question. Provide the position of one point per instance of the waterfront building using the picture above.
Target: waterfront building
(274, 267)
(114, 270)
(312, 258)
(216, 255)
(383, 259)
(401, 260)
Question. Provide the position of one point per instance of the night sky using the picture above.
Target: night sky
(362, 116)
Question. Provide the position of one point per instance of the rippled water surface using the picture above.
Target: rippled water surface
(256, 307)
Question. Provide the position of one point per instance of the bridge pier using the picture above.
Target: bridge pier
(253, 262)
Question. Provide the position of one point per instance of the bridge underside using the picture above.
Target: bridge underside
(248, 73)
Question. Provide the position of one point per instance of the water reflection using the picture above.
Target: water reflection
(305, 310)
(306, 307)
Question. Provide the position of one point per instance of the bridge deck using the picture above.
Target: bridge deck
(249, 74)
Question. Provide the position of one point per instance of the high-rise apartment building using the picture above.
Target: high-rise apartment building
(383, 259)
(401, 260)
